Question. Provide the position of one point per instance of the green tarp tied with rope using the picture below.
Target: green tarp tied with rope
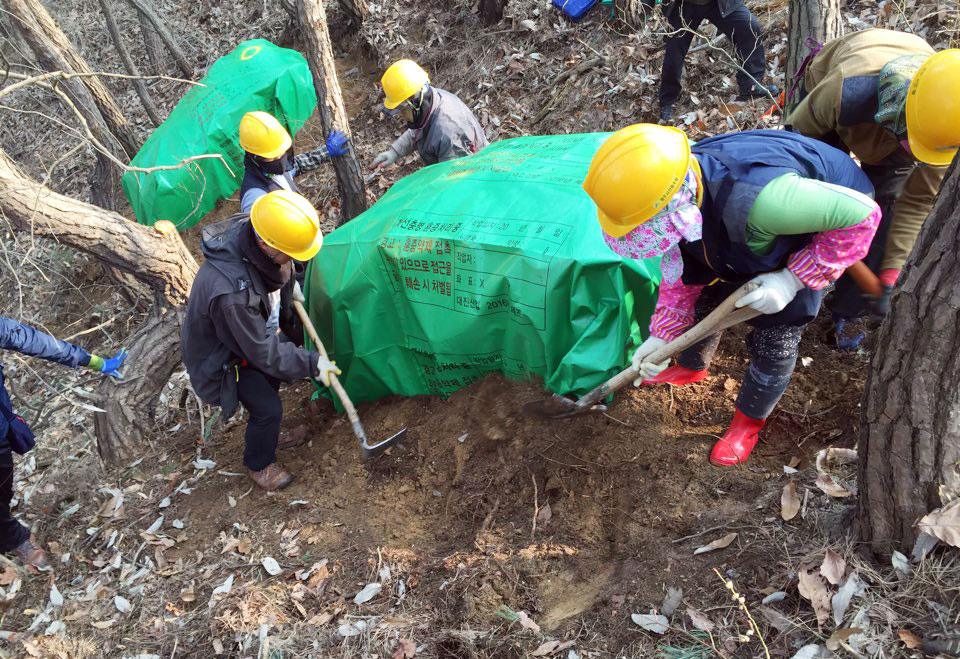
(257, 75)
(493, 262)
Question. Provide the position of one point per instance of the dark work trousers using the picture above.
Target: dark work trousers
(741, 28)
(259, 394)
(12, 532)
(847, 300)
(773, 344)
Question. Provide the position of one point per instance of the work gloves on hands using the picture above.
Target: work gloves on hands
(109, 367)
(643, 365)
(337, 144)
(776, 290)
(326, 368)
(385, 159)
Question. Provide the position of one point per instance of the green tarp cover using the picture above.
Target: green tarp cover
(256, 76)
(493, 262)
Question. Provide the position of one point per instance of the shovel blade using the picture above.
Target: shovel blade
(558, 407)
(373, 450)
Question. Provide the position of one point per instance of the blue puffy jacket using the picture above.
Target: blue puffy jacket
(28, 341)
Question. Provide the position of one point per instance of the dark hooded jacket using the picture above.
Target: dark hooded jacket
(227, 313)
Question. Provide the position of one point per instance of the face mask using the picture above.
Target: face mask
(273, 167)
(661, 234)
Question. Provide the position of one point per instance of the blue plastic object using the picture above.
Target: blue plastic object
(574, 9)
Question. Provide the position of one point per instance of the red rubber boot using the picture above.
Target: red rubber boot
(735, 445)
(678, 375)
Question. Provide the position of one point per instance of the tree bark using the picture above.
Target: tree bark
(158, 259)
(910, 435)
(128, 64)
(333, 116)
(357, 10)
(105, 177)
(146, 8)
(491, 11)
(819, 20)
(35, 20)
(152, 44)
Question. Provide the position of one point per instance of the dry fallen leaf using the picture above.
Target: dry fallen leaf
(910, 639)
(671, 601)
(103, 624)
(244, 546)
(812, 651)
(320, 619)
(187, 594)
(652, 623)
(273, 568)
(943, 523)
(852, 587)
(32, 649)
(123, 604)
(829, 486)
(901, 565)
(544, 514)
(526, 622)
(813, 588)
(841, 636)
(406, 649)
(367, 593)
(8, 575)
(776, 619)
(700, 621)
(789, 502)
(551, 647)
(217, 646)
(716, 544)
(833, 567)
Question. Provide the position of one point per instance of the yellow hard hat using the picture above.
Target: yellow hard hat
(287, 221)
(402, 80)
(933, 109)
(262, 135)
(635, 173)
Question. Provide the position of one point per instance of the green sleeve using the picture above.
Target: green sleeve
(791, 204)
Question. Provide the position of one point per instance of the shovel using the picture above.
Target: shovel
(724, 316)
(369, 450)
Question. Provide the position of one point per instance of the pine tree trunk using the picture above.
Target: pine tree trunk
(910, 436)
(147, 10)
(357, 10)
(41, 30)
(160, 260)
(333, 116)
(491, 11)
(128, 64)
(152, 44)
(818, 20)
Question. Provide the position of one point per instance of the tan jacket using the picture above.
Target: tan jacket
(819, 114)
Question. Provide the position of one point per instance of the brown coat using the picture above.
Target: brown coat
(822, 112)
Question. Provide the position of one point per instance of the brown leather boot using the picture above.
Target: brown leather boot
(272, 477)
(295, 437)
(30, 553)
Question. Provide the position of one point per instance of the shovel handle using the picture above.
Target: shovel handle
(312, 333)
(724, 316)
(865, 280)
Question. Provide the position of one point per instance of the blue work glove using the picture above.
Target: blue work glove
(337, 144)
(110, 366)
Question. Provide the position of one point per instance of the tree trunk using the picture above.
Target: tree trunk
(333, 116)
(491, 11)
(152, 44)
(146, 8)
(158, 259)
(128, 64)
(105, 177)
(356, 10)
(819, 20)
(910, 435)
(35, 19)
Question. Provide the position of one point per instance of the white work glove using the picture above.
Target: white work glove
(646, 368)
(776, 291)
(385, 158)
(326, 368)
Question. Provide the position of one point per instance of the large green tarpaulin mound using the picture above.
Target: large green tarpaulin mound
(493, 262)
(256, 76)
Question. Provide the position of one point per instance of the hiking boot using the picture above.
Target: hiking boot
(30, 553)
(272, 477)
(678, 376)
(666, 113)
(758, 91)
(295, 437)
(736, 444)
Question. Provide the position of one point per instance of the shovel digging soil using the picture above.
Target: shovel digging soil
(369, 450)
(724, 316)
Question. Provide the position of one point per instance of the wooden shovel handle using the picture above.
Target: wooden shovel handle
(865, 280)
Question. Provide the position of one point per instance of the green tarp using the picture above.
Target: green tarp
(256, 76)
(494, 262)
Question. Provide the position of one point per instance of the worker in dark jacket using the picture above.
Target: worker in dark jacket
(439, 126)
(732, 18)
(230, 354)
(15, 434)
(891, 100)
(270, 163)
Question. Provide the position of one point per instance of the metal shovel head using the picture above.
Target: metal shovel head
(373, 450)
(558, 407)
